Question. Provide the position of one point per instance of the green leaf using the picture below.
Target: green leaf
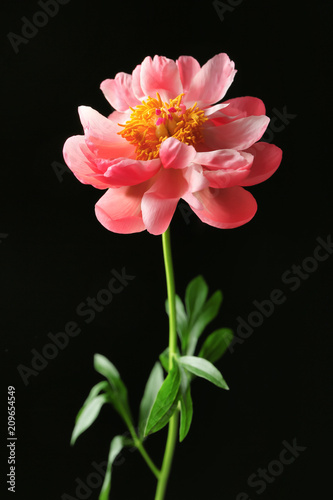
(195, 297)
(208, 312)
(216, 344)
(181, 317)
(118, 392)
(165, 403)
(203, 368)
(88, 415)
(153, 385)
(164, 359)
(186, 406)
(117, 444)
(101, 386)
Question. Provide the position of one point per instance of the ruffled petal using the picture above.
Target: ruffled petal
(188, 67)
(101, 135)
(237, 108)
(160, 201)
(267, 158)
(210, 84)
(176, 154)
(160, 75)
(119, 92)
(119, 210)
(79, 159)
(225, 167)
(127, 172)
(239, 134)
(245, 106)
(226, 208)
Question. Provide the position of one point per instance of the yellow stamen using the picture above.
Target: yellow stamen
(151, 123)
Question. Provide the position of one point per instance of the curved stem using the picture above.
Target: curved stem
(142, 450)
(173, 423)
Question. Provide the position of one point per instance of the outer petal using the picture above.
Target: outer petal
(246, 106)
(119, 210)
(77, 157)
(102, 135)
(226, 208)
(211, 83)
(188, 67)
(160, 75)
(127, 172)
(160, 201)
(136, 85)
(224, 159)
(239, 134)
(176, 154)
(119, 92)
(225, 167)
(267, 158)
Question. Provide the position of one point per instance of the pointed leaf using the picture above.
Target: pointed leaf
(165, 403)
(203, 368)
(195, 297)
(216, 344)
(118, 391)
(153, 385)
(117, 444)
(208, 312)
(186, 406)
(88, 415)
(101, 386)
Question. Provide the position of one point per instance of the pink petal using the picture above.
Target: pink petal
(267, 158)
(213, 111)
(195, 178)
(127, 172)
(176, 154)
(224, 159)
(101, 135)
(226, 208)
(160, 201)
(136, 85)
(245, 106)
(78, 158)
(239, 134)
(239, 108)
(120, 117)
(226, 167)
(211, 83)
(119, 92)
(160, 75)
(188, 67)
(119, 210)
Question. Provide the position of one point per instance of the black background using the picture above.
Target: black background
(54, 254)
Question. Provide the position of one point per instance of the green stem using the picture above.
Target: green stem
(142, 450)
(173, 423)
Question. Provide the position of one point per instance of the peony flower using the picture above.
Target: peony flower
(168, 140)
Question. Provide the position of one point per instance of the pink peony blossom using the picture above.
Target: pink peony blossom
(167, 140)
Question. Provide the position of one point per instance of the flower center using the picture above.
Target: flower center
(153, 121)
